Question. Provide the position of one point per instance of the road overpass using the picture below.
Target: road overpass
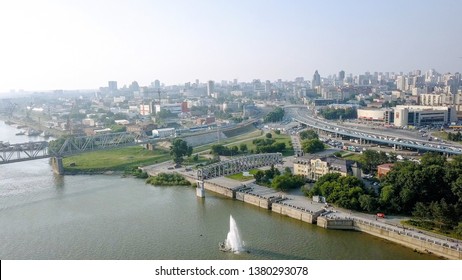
(302, 115)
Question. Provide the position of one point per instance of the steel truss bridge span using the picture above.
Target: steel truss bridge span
(237, 165)
(72, 145)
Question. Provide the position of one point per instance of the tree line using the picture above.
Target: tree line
(335, 114)
(429, 191)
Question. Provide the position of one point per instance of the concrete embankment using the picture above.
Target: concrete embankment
(264, 197)
(406, 237)
(301, 209)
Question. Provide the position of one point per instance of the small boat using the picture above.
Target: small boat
(21, 133)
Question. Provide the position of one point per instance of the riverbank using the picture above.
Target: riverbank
(300, 208)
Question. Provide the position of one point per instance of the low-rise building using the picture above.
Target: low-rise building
(423, 115)
(381, 115)
(383, 169)
(313, 167)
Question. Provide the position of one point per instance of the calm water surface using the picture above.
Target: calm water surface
(46, 216)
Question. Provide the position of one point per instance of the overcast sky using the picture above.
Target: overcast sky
(81, 44)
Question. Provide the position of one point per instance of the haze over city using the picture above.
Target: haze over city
(50, 45)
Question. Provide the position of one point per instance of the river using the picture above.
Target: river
(46, 216)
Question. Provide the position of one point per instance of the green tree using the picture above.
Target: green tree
(243, 148)
(368, 202)
(458, 229)
(312, 146)
(370, 159)
(275, 116)
(259, 176)
(118, 128)
(269, 135)
(344, 191)
(287, 181)
(308, 135)
(179, 149)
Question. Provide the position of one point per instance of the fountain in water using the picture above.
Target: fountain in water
(233, 242)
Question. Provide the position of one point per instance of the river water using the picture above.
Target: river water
(46, 216)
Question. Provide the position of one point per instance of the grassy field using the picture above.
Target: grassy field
(440, 135)
(352, 156)
(114, 160)
(229, 141)
(279, 138)
(241, 177)
(427, 226)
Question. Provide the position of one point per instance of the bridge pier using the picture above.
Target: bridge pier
(57, 165)
(200, 191)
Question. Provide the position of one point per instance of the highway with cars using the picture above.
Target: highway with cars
(392, 137)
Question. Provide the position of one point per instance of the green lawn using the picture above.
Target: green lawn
(428, 226)
(241, 177)
(279, 138)
(229, 141)
(114, 160)
(353, 156)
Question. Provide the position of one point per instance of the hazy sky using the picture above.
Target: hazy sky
(82, 44)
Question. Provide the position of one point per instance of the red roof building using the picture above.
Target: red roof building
(383, 169)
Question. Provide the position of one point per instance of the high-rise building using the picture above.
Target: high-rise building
(316, 80)
(267, 86)
(341, 75)
(112, 85)
(401, 83)
(156, 84)
(210, 88)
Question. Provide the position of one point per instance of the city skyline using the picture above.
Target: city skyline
(64, 45)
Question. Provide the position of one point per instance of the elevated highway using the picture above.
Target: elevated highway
(393, 139)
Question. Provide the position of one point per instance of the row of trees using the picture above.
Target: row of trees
(168, 179)
(268, 145)
(335, 114)
(222, 150)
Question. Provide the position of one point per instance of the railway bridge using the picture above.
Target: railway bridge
(234, 166)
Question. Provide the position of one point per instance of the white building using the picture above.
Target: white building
(423, 115)
(380, 115)
(119, 99)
